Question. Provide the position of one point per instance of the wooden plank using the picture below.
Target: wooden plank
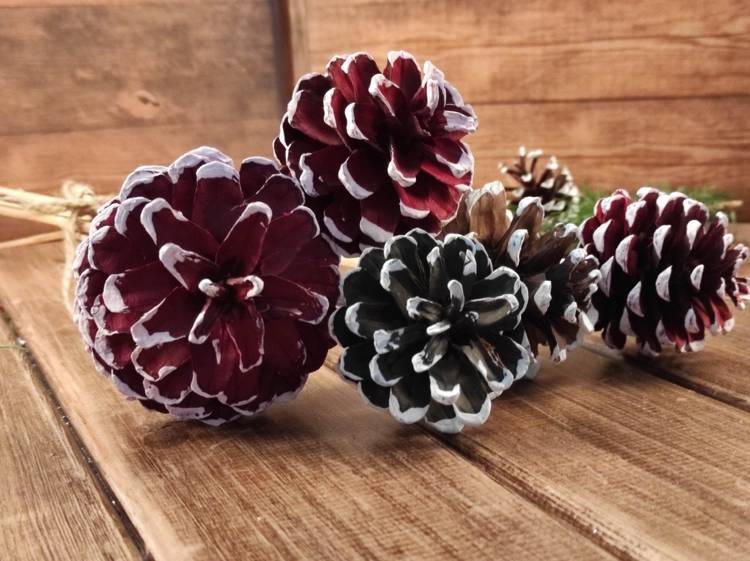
(323, 477)
(611, 144)
(82, 67)
(654, 470)
(545, 50)
(628, 94)
(50, 504)
(719, 370)
(650, 467)
(66, 3)
(607, 145)
(102, 158)
(15, 229)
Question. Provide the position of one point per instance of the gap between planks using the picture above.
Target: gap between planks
(505, 477)
(81, 454)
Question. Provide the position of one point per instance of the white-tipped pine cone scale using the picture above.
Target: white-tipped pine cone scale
(552, 183)
(560, 277)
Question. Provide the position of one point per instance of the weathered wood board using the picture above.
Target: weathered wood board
(542, 50)
(324, 477)
(647, 468)
(50, 504)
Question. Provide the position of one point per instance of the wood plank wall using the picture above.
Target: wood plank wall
(626, 93)
(90, 89)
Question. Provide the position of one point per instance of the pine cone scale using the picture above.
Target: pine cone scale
(558, 276)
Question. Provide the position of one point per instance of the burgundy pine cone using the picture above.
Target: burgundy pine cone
(667, 269)
(205, 293)
(377, 153)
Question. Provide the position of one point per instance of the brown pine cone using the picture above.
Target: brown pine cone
(559, 275)
(552, 184)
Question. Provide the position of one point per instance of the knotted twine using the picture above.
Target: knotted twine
(71, 212)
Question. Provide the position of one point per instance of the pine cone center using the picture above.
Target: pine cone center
(233, 290)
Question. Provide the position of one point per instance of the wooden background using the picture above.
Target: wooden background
(626, 93)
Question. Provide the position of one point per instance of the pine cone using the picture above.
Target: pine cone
(667, 268)
(205, 293)
(377, 153)
(429, 329)
(559, 275)
(553, 185)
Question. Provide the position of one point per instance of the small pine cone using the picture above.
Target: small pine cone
(205, 293)
(552, 184)
(559, 275)
(667, 268)
(377, 153)
(430, 329)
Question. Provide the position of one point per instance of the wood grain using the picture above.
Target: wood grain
(102, 158)
(322, 478)
(83, 67)
(50, 506)
(629, 93)
(612, 144)
(541, 50)
(651, 469)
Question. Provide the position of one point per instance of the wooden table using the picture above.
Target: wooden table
(602, 458)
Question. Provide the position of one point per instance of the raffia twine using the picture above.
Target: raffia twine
(71, 212)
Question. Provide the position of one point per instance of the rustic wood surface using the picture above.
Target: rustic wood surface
(666, 145)
(111, 66)
(648, 469)
(545, 51)
(596, 459)
(51, 506)
(626, 94)
(325, 477)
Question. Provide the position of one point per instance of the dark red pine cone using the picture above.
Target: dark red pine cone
(377, 153)
(204, 293)
(667, 268)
